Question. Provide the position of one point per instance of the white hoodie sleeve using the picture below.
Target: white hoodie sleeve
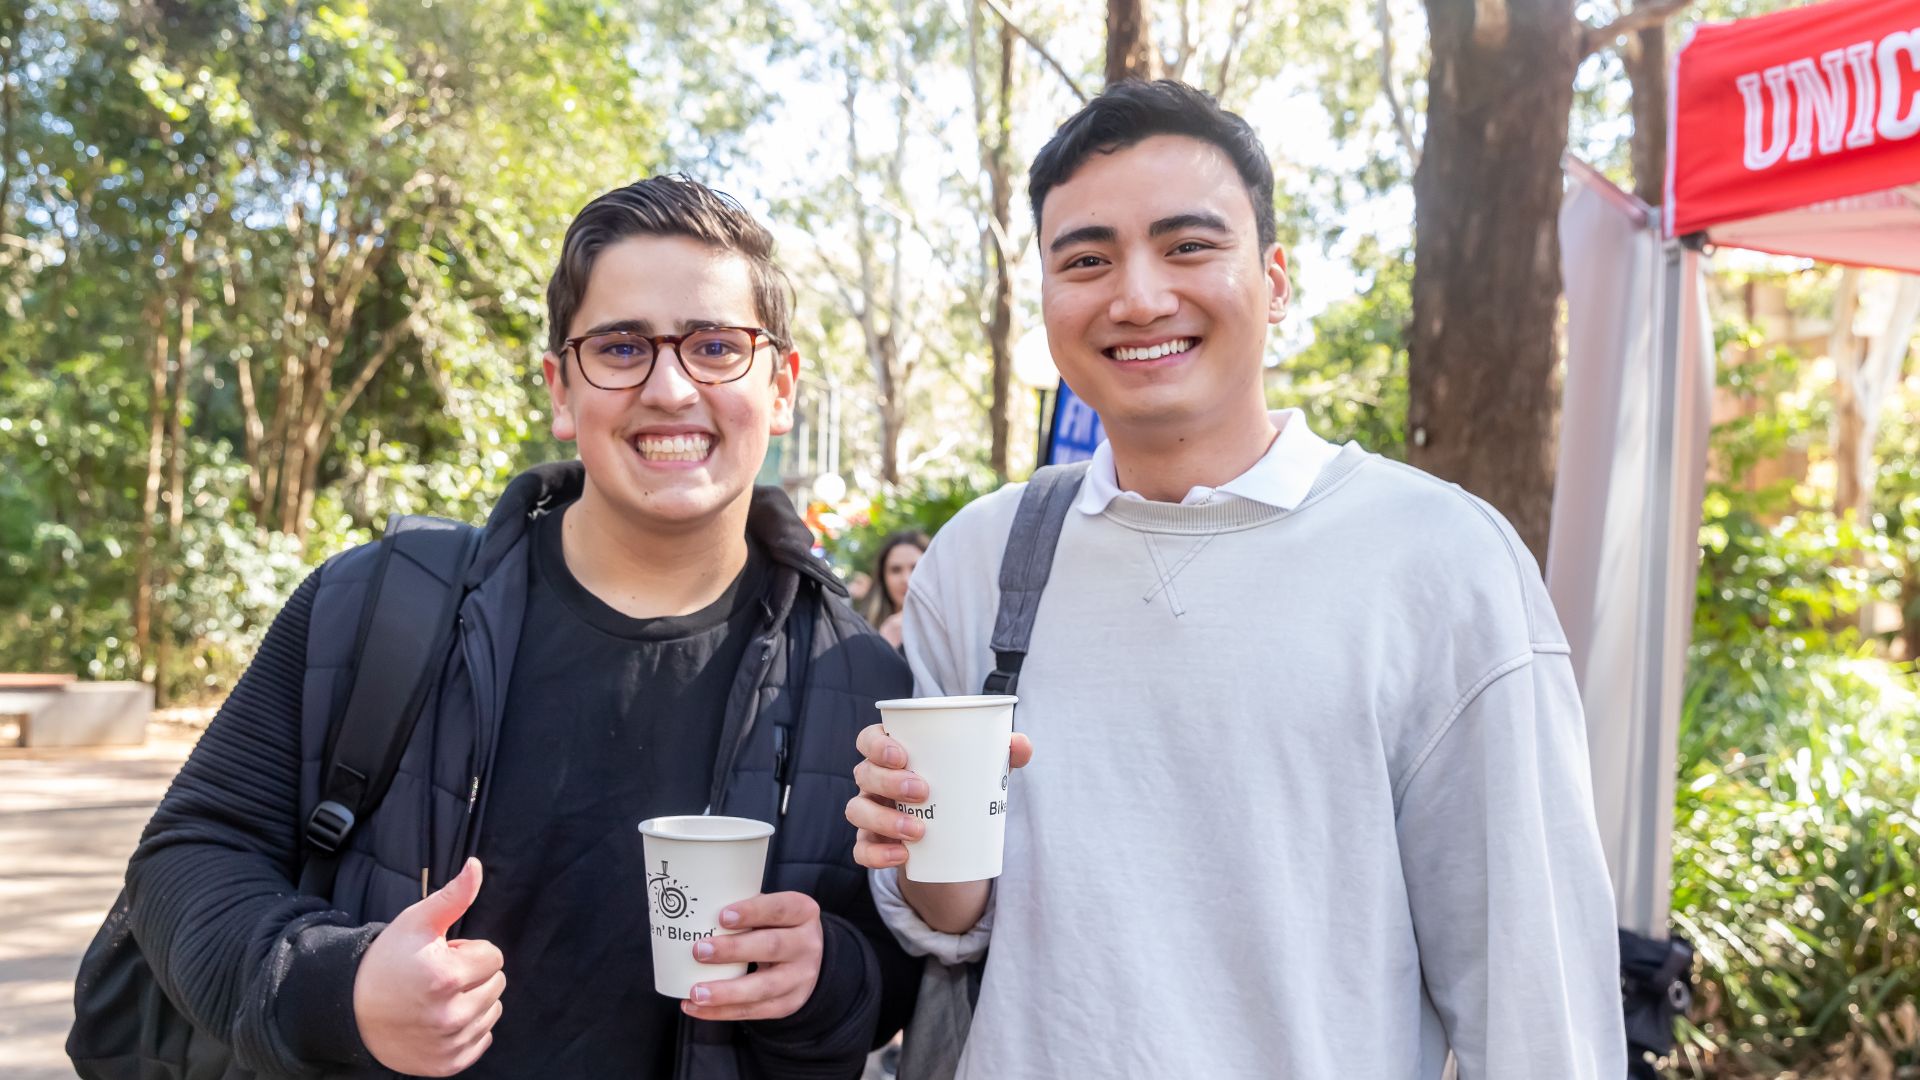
(937, 670)
(1511, 901)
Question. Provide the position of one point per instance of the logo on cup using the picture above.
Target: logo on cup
(670, 897)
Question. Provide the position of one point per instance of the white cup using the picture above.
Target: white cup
(696, 866)
(960, 747)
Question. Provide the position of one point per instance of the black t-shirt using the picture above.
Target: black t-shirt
(609, 720)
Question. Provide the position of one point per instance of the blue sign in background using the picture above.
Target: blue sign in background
(1074, 431)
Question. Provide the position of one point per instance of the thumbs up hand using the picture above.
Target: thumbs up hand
(426, 1006)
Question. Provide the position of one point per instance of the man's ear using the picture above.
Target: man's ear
(1276, 269)
(558, 391)
(786, 381)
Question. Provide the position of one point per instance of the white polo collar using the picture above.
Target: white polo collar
(1281, 478)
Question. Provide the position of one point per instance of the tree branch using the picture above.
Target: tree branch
(1595, 38)
(1383, 17)
(389, 340)
(863, 245)
(1242, 15)
(1005, 17)
(1178, 69)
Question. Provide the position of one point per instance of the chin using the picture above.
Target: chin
(1148, 406)
(684, 500)
(683, 505)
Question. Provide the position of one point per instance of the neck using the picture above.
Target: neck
(645, 571)
(1162, 465)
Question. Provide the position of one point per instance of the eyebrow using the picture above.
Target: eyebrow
(1103, 234)
(1196, 220)
(1085, 234)
(645, 326)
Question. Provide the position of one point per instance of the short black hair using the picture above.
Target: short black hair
(667, 206)
(1131, 111)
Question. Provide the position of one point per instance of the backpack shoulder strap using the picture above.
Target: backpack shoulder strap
(1026, 565)
(406, 628)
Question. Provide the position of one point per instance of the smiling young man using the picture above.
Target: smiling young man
(1308, 793)
(643, 633)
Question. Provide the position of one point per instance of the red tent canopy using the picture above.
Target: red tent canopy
(1798, 133)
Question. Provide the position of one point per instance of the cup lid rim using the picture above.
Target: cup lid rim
(744, 828)
(962, 701)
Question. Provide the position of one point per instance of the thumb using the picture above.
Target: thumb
(444, 908)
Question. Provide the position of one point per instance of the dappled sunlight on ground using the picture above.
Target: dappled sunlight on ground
(68, 821)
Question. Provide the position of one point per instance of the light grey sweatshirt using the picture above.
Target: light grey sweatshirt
(1309, 796)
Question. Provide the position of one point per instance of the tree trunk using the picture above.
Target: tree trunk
(10, 20)
(177, 419)
(1863, 382)
(1483, 353)
(889, 440)
(1130, 52)
(169, 544)
(158, 358)
(1645, 58)
(998, 154)
(1843, 348)
(1910, 613)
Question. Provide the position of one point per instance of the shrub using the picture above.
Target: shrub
(1797, 867)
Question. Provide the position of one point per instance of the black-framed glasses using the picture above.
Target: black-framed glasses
(711, 355)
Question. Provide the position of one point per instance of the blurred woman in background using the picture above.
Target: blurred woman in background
(899, 553)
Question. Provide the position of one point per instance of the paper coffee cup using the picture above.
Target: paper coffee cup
(696, 866)
(960, 747)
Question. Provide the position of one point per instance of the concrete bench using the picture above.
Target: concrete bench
(57, 710)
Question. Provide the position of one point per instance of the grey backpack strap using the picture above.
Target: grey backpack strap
(942, 1017)
(1025, 566)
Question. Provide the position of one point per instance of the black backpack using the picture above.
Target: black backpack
(125, 1027)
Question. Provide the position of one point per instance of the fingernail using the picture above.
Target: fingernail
(909, 826)
(701, 994)
(728, 917)
(893, 757)
(703, 951)
(913, 789)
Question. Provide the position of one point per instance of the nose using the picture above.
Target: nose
(668, 388)
(1143, 296)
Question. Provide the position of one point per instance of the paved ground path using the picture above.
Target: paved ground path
(68, 821)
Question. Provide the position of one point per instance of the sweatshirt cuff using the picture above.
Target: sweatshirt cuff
(916, 936)
(314, 1007)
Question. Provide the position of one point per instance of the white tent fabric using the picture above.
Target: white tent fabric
(1623, 552)
(1877, 229)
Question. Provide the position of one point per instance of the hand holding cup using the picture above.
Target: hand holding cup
(780, 934)
(886, 783)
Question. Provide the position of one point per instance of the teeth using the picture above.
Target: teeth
(1166, 348)
(674, 447)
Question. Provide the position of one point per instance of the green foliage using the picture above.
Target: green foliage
(360, 201)
(1898, 498)
(1797, 863)
(1352, 381)
(926, 506)
(1796, 856)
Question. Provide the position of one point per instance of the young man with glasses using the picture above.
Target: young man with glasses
(1309, 793)
(644, 634)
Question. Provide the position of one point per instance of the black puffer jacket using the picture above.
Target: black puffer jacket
(269, 971)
